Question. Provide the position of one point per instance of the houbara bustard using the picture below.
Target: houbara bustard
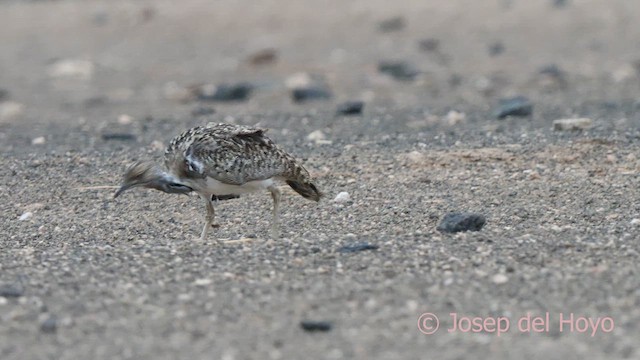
(223, 161)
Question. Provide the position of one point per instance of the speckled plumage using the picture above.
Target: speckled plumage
(220, 162)
(232, 154)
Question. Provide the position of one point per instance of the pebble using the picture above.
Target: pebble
(11, 291)
(395, 23)
(342, 197)
(311, 92)
(49, 325)
(560, 3)
(350, 108)
(399, 70)
(499, 279)
(118, 136)
(72, 68)
(125, 119)
(25, 216)
(10, 110)
(202, 282)
(315, 326)
(4, 94)
(496, 48)
(316, 136)
(552, 76)
(174, 92)
(552, 70)
(263, 57)
(298, 80)
(455, 117)
(514, 106)
(40, 140)
(459, 222)
(572, 124)
(429, 45)
(624, 72)
(352, 248)
(225, 92)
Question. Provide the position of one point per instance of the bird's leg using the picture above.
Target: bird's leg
(208, 221)
(275, 195)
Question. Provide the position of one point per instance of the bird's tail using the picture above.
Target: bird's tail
(307, 190)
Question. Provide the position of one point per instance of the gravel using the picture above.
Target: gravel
(129, 279)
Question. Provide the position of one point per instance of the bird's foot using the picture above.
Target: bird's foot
(275, 232)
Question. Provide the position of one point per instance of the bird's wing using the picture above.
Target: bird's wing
(235, 155)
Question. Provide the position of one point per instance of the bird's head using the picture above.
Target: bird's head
(146, 174)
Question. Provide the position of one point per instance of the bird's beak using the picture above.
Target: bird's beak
(122, 189)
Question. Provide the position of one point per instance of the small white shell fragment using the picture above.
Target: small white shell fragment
(499, 279)
(125, 119)
(342, 197)
(25, 216)
(202, 282)
(40, 140)
(316, 135)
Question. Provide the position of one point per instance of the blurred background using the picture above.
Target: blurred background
(93, 61)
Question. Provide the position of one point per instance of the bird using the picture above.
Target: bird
(221, 162)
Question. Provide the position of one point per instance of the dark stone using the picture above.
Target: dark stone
(11, 291)
(459, 222)
(310, 93)
(50, 325)
(100, 18)
(95, 101)
(552, 76)
(263, 57)
(4, 94)
(392, 24)
(315, 326)
(226, 92)
(202, 111)
(455, 80)
(119, 136)
(352, 248)
(496, 48)
(429, 45)
(560, 3)
(551, 70)
(399, 70)
(515, 106)
(350, 108)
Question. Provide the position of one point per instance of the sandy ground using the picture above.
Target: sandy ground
(85, 276)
